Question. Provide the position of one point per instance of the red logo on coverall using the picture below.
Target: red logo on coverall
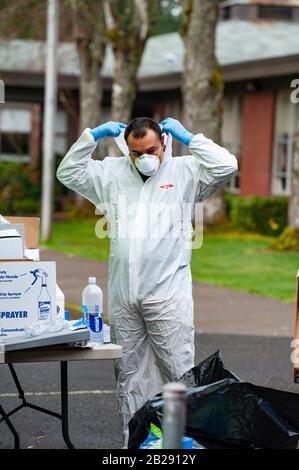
(166, 186)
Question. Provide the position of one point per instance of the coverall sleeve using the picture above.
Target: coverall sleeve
(210, 165)
(79, 172)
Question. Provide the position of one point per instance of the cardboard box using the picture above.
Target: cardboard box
(11, 244)
(27, 295)
(295, 354)
(31, 225)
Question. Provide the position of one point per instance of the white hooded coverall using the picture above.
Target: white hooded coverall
(150, 304)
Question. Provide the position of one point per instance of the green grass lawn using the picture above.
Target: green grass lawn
(239, 261)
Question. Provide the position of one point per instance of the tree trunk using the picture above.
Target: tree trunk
(293, 211)
(129, 25)
(124, 87)
(90, 85)
(203, 83)
(124, 90)
(90, 35)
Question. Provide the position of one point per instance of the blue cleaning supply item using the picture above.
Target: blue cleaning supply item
(154, 440)
(80, 323)
(187, 442)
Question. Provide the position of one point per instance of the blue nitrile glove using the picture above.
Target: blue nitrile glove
(108, 129)
(177, 130)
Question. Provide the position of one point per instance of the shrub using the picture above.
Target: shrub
(266, 215)
(20, 189)
(287, 241)
(18, 194)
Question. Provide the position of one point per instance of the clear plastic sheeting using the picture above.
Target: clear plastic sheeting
(39, 328)
(223, 411)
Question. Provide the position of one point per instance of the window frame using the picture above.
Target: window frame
(5, 157)
(275, 12)
(290, 140)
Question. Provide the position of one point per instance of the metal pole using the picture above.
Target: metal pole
(64, 404)
(174, 415)
(49, 116)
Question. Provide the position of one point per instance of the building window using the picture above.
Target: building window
(60, 132)
(60, 139)
(231, 134)
(286, 124)
(15, 133)
(275, 12)
(226, 13)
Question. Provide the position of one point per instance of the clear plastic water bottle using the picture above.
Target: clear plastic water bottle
(92, 304)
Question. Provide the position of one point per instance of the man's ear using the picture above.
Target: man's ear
(163, 142)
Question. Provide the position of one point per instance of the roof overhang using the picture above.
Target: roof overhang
(37, 80)
(264, 68)
(287, 3)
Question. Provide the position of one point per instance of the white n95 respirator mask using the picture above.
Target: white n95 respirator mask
(147, 164)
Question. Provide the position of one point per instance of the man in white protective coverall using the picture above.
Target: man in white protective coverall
(150, 303)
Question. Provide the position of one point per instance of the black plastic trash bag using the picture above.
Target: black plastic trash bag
(224, 411)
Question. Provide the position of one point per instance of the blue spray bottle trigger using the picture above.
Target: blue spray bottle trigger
(35, 276)
(38, 273)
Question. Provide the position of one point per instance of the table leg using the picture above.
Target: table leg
(22, 397)
(17, 382)
(11, 427)
(64, 404)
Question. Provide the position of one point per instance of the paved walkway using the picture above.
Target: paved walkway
(217, 309)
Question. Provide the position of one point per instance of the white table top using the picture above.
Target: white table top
(60, 353)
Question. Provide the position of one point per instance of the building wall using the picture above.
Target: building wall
(35, 140)
(21, 127)
(257, 128)
(257, 143)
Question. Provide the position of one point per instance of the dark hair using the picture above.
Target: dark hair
(139, 126)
